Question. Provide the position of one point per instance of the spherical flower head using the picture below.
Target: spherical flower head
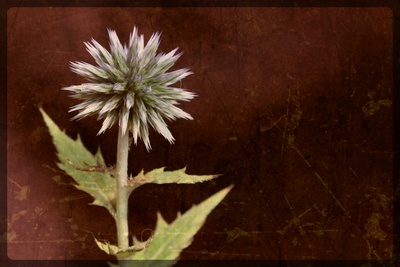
(130, 85)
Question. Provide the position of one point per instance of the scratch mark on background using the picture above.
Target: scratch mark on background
(330, 192)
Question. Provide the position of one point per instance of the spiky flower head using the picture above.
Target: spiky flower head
(130, 86)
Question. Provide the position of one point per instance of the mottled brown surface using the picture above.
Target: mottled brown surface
(294, 107)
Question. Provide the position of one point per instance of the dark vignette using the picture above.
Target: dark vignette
(394, 5)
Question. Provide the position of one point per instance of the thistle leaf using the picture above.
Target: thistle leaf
(107, 247)
(114, 250)
(159, 176)
(170, 239)
(87, 170)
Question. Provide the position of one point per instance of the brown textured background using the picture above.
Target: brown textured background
(294, 107)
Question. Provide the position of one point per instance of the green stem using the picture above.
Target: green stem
(122, 194)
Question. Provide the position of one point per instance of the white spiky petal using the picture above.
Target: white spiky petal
(131, 86)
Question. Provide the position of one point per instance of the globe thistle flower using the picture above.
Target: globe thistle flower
(131, 86)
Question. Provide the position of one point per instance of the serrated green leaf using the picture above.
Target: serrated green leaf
(170, 239)
(74, 158)
(159, 176)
